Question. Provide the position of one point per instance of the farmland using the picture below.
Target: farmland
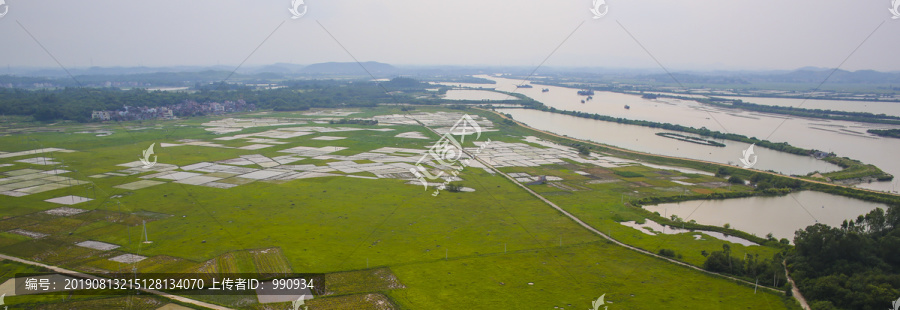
(274, 193)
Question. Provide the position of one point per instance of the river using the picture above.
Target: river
(846, 139)
(644, 139)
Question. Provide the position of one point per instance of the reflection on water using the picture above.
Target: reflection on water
(780, 216)
(653, 228)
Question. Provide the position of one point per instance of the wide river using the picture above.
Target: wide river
(644, 139)
(846, 139)
(780, 216)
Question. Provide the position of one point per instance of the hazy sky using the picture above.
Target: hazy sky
(691, 34)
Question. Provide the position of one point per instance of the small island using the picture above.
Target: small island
(690, 139)
(892, 133)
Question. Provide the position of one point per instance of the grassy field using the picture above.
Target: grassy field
(474, 250)
(569, 277)
(603, 208)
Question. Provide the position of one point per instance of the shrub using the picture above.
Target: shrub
(667, 253)
(453, 188)
(735, 180)
(628, 174)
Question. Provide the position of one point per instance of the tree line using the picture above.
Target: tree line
(813, 113)
(76, 103)
(893, 133)
(854, 266)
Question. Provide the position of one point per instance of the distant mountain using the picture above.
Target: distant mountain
(351, 68)
(812, 75)
(56, 72)
(280, 68)
(814, 69)
(189, 75)
(817, 75)
(695, 78)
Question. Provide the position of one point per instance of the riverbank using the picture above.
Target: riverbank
(853, 171)
(714, 167)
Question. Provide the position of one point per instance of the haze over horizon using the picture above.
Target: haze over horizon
(698, 35)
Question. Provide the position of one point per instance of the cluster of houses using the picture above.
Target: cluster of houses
(186, 108)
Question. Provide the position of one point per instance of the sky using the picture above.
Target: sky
(676, 35)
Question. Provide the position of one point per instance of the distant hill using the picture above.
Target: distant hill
(189, 75)
(350, 68)
(809, 68)
(808, 75)
(804, 75)
(280, 68)
(696, 78)
(56, 72)
(185, 78)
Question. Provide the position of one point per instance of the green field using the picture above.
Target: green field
(409, 249)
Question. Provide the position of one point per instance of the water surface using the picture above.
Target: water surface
(644, 139)
(846, 139)
(780, 215)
